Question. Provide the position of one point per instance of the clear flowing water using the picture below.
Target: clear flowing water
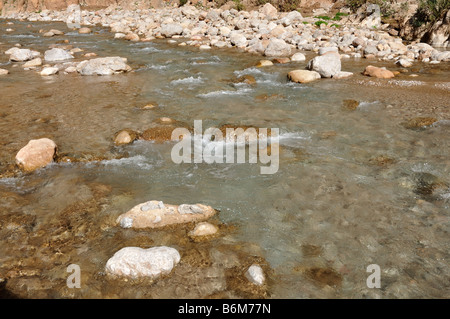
(353, 188)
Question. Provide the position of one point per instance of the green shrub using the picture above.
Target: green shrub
(239, 5)
(318, 23)
(323, 17)
(430, 11)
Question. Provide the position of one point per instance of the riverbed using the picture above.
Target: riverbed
(353, 188)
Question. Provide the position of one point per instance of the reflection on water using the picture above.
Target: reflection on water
(354, 188)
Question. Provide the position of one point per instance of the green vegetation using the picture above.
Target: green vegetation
(318, 23)
(323, 17)
(239, 5)
(183, 2)
(336, 25)
(430, 11)
(338, 16)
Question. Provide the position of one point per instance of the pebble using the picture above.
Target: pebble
(204, 229)
(255, 275)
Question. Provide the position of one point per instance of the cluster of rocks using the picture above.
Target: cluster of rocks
(153, 262)
(135, 262)
(265, 31)
(60, 58)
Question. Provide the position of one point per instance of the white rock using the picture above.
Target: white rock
(342, 75)
(3, 71)
(57, 54)
(255, 275)
(238, 39)
(268, 10)
(404, 63)
(204, 229)
(136, 262)
(103, 66)
(326, 65)
(20, 55)
(277, 48)
(324, 50)
(33, 63)
(49, 71)
(70, 69)
(298, 57)
(224, 31)
(119, 35)
(171, 29)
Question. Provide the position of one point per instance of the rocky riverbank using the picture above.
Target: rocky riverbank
(264, 31)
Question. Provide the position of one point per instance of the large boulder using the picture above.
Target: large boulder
(277, 48)
(155, 214)
(36, 154)
(57, 54)
(171, 29)
(103, 66)
(303, 76)
(326, 65)
(135, 262)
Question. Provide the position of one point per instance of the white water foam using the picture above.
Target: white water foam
(188, 80)
(224, 93)
(138, 161)
(251, 70)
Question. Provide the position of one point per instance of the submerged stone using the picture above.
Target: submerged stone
(158, 134)
(350, 105)
(103, 66)
(203, 229)
(427, 183)
(125, 137)
(247, 79)
(419, 122)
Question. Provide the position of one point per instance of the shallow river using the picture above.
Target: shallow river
(353, 188)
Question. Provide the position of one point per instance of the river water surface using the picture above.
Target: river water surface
(354, 187)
